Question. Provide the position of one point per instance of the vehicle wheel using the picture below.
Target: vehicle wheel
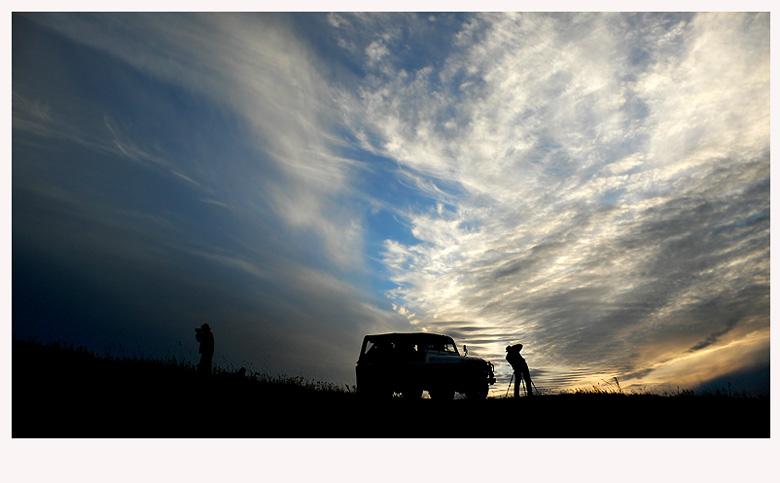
(412, 393)
(442, 393)
(374, 393)
(477, 394)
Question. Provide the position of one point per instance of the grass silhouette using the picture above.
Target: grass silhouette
(60, 391)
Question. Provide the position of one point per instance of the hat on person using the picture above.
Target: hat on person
(514, 348)
(205, 326)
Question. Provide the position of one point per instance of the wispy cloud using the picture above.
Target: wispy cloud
(252, 228)
(254, 66)
(611, 177)
(593, 185)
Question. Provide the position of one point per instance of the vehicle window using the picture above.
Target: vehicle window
(369, 345)
(405, 348)
(450, 348)
(442, 347)
(385, 348)
(376, 348)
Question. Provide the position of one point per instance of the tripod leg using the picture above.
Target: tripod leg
(537, 390)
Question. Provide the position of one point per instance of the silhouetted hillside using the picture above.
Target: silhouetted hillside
(61, 392)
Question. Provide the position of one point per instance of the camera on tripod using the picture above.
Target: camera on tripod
(199, 331)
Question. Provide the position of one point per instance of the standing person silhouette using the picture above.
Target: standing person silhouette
(520, 367)
(206, 350)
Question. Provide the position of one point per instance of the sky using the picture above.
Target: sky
(595, 186)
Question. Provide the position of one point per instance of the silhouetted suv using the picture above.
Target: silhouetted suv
(410, 363)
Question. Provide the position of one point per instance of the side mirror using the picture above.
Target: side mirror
(465, 350)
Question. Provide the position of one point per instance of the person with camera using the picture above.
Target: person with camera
(520, 367)
(204, 335)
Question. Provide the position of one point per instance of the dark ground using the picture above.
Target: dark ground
(65, 393)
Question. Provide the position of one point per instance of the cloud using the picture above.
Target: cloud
(595, 186)
(611, 183)
(258, 69)
(190, 176)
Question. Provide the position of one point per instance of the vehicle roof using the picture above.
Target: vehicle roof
(408, 335)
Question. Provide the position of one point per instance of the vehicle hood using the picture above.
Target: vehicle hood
(472, 358)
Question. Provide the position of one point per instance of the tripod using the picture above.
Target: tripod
(524, 388)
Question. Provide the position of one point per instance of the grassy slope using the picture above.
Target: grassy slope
(59, 392)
